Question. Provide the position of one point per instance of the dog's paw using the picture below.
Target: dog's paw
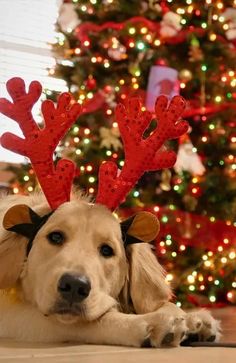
(169, 332)
(202, 327)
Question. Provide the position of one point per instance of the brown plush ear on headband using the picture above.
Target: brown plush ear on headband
(17, 215)
(22, 220)
(142, 227)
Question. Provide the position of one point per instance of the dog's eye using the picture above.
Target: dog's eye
(106, 250)
(56, 238)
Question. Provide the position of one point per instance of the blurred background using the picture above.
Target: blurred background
(104, 51)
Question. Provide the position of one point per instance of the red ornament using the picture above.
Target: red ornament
(91, 83)
(94, 104)
(107, 89)
(161, 62)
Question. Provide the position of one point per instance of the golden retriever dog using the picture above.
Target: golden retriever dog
(78, 282)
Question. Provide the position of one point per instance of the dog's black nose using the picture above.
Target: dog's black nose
(74, 288)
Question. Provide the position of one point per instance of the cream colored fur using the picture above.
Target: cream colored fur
(120, 284)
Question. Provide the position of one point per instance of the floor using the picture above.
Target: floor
(18, 352)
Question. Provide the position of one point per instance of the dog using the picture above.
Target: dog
(79, 282)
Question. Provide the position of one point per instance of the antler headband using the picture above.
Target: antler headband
(141, 154)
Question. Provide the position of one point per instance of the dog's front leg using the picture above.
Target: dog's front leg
(166, 326)
(155, 329)
(115, 328)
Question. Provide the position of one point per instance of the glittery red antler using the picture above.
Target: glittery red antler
(39, 144)
(140, 154)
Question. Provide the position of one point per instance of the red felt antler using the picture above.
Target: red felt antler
(39, 144)
(140, 154)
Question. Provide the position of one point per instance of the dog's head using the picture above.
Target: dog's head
(82, 261)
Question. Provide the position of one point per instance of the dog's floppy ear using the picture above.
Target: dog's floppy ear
(147, 287)
(22, 220)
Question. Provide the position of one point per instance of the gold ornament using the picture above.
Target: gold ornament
(154, 5)
(165, 180)
(110, 138)
(195, 53)
(134, 69)
(185, 75)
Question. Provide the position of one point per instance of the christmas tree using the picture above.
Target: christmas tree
(108, 50)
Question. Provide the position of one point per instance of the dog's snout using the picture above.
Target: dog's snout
(74, 288)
